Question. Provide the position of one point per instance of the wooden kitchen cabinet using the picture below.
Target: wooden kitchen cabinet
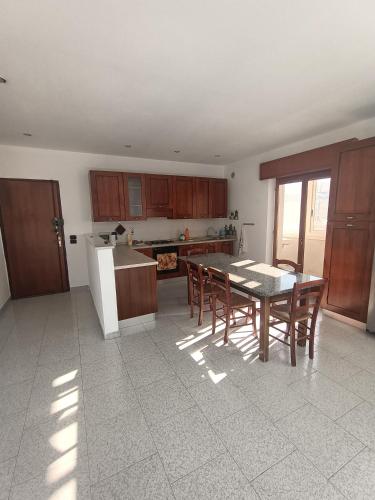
(159, 195)
(145, 251)
(135, 196)
(202, 198)
(219, 198)
(107, 196)
(224, 247)
(347, 266)
(184, 199)
(352, 194)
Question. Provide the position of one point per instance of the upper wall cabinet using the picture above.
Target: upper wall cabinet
(126, 196)
(159, 195)
(107, 196)
(202, 197)
(183, 190)
(353, 186)
(135, 196)
(219, 197)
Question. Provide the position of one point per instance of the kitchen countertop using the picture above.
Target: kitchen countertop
(126, 257)
(192, 241)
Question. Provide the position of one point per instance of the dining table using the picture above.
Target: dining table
(264, 282)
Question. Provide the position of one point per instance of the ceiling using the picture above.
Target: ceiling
(203, 77)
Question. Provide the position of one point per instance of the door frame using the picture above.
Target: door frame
(61, 250)
(304, 178)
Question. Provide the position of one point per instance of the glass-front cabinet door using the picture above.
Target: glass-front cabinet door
(135, 196)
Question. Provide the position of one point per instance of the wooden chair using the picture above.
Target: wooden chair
(229, 302)
(199, 290)
(285, 264)
(302, 308)
(194, 251)
(297, 268)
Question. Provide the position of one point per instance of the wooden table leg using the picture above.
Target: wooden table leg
(264, 328)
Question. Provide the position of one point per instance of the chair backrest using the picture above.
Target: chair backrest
(284, 263)
(197, 251)
(219, 281)
(306, 297)
(195, 274)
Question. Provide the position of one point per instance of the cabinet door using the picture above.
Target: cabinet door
(135, 196)
(183, 206)
(107, 196)
(219, 197)
(202, 198)
(353, 186)
(227, 247)
(347, 266)
(145, 251)
(159, 195)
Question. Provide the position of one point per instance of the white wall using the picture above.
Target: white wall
(4, 285)
(71, 170)
(255, 199)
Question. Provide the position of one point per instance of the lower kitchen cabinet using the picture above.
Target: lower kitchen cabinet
(347, 267)
(224, 247)
(136, 291)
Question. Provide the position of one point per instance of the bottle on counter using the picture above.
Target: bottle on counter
(113, 238)
(187, 234)
(130, 237)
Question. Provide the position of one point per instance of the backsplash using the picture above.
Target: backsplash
(156, 228)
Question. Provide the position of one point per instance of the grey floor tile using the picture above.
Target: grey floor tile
(330, 397)
(281, 368)
(108, 400)
(185, 442)
(104, 349)
(137, 346)
(364, 359)
(357, 479)
(253, 441)
(57, 350)
(295, 478)
(360, 422)
(163, 399)
(52, 448)
(321, 440)
(13, 371)
(54, 402)
(11, 427)
(145, 480)
(193, 372)
(362, 384)
(145, 371)
(15, 397)
(218, 400)
(67, 482)
(274, 397)
(6, 475)
(103, 371)
(219, 479)
(334, 367)
(118, 442)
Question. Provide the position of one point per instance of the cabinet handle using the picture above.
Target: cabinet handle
(350, 217)
(350, 225)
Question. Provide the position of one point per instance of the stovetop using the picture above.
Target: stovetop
(158, 242)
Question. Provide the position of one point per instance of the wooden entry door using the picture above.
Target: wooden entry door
(33, 237)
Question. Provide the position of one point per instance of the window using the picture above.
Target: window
(317, 207)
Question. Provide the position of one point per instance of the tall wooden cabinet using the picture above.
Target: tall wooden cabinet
(202, 198)
(351, 231)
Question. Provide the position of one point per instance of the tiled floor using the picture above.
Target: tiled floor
(166, 411)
